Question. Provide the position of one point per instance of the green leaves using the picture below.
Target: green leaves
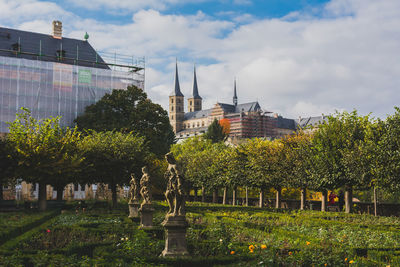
(130, 111)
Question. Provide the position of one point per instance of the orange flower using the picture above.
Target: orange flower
(251, 247)
(290, 253)
(308, 243)
(251, 251)
(232, 252)
(351, 261)
(345, 259)
(263, 246)
(325, 264)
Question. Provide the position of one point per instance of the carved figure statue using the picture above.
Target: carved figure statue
(174, 194)
(145, 186)
(134, 190)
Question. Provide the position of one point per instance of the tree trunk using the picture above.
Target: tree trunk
(195, 195)
(303, 197)
(224, 200)
(247, 196)
(114, 195)
(60, 191)
(215, 196)
(261, 202)
(234, 197)
(1, 191)
(375, 201)
(348, 198)
(203, 194)
(278, 198)
(42, 202)
(324, 199)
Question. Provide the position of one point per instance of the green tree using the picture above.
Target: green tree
(130, 110)
(7, 164)
(110, 158)
(216, 132)
(45, 152)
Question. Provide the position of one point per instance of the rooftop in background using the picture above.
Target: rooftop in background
(44, 47)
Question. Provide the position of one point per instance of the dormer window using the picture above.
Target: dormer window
(60, 53)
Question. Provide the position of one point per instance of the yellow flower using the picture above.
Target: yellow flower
(345, 259)
(307, 243)
(263, 246)
(232, 252)
(251, 251)
(251, 247)
(351, 261)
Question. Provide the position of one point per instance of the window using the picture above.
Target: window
(172, 108)
(75, 187)
(190, 102)
(172, 100)
(172, 117)
(179, 101)
(202, 123)
(16, 47)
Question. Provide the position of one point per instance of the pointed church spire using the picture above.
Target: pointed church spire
(195, 88)
(235, 99)
(177, 91)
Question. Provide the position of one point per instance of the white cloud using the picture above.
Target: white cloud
(298, 65)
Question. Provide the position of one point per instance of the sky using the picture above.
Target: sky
(295, 57)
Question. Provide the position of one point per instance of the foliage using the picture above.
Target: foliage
(130, 111)
(216, 132)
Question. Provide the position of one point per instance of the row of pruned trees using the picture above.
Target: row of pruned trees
(348, 152)
(40, 151)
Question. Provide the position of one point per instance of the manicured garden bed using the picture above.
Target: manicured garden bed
(218, 236)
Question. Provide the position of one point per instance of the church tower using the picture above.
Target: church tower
(195, 102)
(176, 105)
(235, 99)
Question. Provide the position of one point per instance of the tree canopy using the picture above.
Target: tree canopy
(130, 111)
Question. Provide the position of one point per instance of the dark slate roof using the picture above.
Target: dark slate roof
(245, 107)
(177, 89)
(284, 123)
(311, 121)
(197, 114)
(195, 87)
(30, 43)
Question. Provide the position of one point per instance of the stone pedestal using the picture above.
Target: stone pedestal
(133, 210)
(175, 232)
(146, 216)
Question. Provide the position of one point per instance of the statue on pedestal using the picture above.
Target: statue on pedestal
(133, 190)
(133, 198)
(146, 208)
(175, 223)
(175, 192)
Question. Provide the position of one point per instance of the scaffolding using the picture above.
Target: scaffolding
(61, 86)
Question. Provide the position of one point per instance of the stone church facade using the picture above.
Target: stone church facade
(247, 120)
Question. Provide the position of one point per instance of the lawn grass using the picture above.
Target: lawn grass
(218, 235)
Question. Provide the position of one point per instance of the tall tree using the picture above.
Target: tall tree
(130, 111)
(45, 152)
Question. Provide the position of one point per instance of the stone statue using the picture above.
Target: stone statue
(134, 190)
(145, 187)
(175, 192)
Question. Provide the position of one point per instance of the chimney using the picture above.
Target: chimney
(57, 29)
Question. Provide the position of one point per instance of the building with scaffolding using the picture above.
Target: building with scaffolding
(57, 76)
(246, 120)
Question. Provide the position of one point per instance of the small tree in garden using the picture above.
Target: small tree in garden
(110, 158)
(337, 158)
(45, 152)
(298, 163)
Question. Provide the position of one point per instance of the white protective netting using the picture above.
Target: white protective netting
(54, 89)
